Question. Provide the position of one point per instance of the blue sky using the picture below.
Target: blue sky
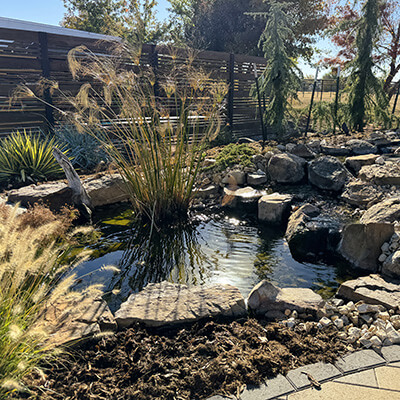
(48, 11)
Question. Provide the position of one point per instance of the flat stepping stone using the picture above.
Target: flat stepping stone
(319, 371)
(391, 353)
(273, 388)
(169, 303)
(359, 360)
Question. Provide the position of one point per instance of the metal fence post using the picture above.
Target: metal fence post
(312, 101)
(231, 93)
(45, 64)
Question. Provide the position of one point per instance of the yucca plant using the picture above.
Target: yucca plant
(156, 144)
(26, 158)
(29, 281)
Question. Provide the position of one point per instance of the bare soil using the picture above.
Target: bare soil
(194, 362)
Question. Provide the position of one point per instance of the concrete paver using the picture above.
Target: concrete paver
(391, 353)
(319, 371)
(363, 378)
(388, 378)
(273, 388)
(359, 360)
(339, 391)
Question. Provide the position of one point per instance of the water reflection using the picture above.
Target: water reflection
(217, 249)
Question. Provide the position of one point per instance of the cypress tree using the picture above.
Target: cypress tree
(281, 78)
(363, 82)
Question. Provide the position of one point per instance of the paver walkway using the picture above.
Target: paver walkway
(362, 375)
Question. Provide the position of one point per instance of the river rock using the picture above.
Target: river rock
(391, 266)
(273, 208)
(336, 151)
(204, 193)
(234, 178)
(243, 196)
(372, 289)
(169, 303)
(74, 318)
(361, 194)
(387, 174)
(257, 179)
(355, 163)
(54, 194)
(300, 150)
(384, 211)
(265, 297)
(327, 173)
(360, 147)
(107, 189)
(286, 168)
(311, 235)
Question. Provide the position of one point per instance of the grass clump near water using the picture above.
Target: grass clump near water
(158, 146)
(26, 158)
(29, 281)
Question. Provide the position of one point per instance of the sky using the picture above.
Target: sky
(52, 11)
(48, 11)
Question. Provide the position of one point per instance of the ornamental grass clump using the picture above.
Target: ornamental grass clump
(156, 142)
(26, 158)
(29, 281)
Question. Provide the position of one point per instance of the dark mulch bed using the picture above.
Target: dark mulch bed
(195, 362)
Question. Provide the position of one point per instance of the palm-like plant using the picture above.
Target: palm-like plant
(27, 158)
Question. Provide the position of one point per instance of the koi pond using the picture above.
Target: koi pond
(221, 248)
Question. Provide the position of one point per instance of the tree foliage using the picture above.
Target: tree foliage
(134, 20)
(343, 21)
(281, 79)
(363, 82)
(235, 26)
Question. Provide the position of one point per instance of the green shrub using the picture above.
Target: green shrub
(27, 158)
(234, 154)
(85, 150)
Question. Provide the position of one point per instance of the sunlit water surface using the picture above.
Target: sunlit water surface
(224, 248)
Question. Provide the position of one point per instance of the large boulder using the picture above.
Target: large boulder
(361, 242)
(327, 173)
(274, 208)
(286, 168)
(361, 194)
(169, 303)
(386, 174)
(360, 147)
(103, 190)
(247, 196)
(372, 289)
(310, 235)
(385, 211)
(355, 163)
(107, 189)
(54, 194)
(266, 297)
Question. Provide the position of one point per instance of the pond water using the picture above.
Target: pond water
(223, 248)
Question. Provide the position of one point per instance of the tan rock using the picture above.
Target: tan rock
(168, 303)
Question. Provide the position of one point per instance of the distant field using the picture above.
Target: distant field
(305, 99)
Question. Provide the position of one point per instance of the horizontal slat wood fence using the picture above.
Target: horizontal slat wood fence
(26, 56)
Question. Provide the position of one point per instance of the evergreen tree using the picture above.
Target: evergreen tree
(364, 86)
(281, 79)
